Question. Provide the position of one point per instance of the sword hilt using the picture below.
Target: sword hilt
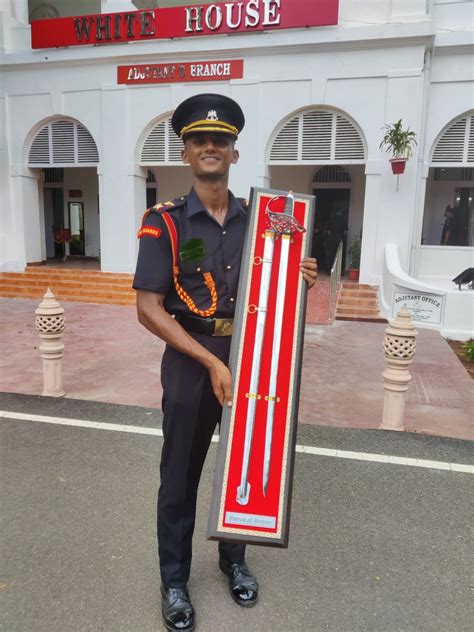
(284, 222)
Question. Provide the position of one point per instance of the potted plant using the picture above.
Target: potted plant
(399, 142)
(354, 258)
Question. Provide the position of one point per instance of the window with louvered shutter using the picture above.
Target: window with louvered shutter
(349, 145)
(470, 146)
(286, 143)
(317, 136)
(456, 144)
(40, 152)
(63, 143)
(161, 146)
(86, 147)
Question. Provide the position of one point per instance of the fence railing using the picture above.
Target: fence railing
(336, 271)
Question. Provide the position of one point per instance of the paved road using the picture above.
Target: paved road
(373, 546)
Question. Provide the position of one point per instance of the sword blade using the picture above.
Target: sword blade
(243, 490)
(277, 331)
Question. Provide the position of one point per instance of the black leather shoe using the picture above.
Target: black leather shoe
(242, 584)
(178, 613)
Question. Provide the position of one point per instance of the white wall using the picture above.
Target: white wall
(441, 263)
(366, 67)
(453, 15)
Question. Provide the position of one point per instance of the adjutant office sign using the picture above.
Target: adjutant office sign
(184, 21)
(423, 306)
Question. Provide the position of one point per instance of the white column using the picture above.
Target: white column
(418, 222)
(262, 175)
(397, 200)
(116, 188)
(19, 10)
(41, 217)
(371, 258)
(138, 189)
(26, 219)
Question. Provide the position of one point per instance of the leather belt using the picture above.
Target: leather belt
(206, 326)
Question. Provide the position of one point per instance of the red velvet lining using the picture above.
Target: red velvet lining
(269, 504)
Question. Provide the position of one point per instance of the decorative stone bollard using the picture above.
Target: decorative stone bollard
(399, 347)
(50, 327)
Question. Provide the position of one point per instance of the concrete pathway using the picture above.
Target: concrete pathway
(373, 546)
(109, 357)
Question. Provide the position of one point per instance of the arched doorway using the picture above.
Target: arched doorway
(448, 212)
(332, 187)
(330, 141)
(67, 155)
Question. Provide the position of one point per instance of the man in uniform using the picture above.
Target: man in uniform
(188, 267)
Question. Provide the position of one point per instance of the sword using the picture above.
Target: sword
(282, 224)
(285, 225)
(243, 490)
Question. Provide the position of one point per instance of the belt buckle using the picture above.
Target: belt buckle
(223, 327)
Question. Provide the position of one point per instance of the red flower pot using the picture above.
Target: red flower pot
(353, 274)
(398, 165)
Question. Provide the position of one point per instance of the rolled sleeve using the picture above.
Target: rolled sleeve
(154, 271)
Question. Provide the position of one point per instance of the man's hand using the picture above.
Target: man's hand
(309, 270)
(221, 381)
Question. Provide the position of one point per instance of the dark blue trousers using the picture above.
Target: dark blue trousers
(190, 415)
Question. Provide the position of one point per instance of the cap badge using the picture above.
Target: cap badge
(212, 116)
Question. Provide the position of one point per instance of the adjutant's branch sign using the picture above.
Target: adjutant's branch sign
(169, 73)
(209, 19)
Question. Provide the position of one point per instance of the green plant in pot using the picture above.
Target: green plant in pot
(399, 142)
(354, 258)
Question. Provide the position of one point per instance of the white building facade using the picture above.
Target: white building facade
(80, 150)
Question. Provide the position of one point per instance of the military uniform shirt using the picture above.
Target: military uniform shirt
(223, 252)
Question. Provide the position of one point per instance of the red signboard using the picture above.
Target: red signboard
(169, 73)
(210, 19)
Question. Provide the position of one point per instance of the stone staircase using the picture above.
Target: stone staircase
(359, 302)
(83, 286)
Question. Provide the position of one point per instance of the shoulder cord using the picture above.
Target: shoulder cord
(208, 280)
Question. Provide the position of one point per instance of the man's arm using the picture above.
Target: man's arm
(152, 315)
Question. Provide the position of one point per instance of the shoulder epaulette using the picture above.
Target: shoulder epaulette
(164, 206)
(163, 209)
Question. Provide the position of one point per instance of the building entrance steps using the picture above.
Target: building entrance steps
(359, 302)
(109, 357)
(70, 284)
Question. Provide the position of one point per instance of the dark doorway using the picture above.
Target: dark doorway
(332, 215)
(462, 221)
(150, 197)
(54, 221)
